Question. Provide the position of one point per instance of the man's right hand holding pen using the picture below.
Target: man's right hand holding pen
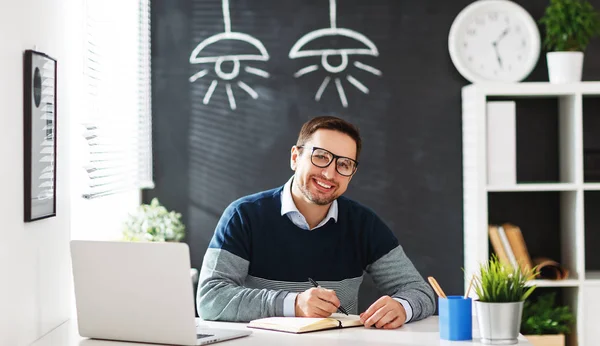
(316, 302)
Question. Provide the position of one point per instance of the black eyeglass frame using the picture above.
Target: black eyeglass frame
(335, 158)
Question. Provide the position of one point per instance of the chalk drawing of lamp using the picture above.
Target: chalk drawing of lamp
(227, 67)
(340, 56)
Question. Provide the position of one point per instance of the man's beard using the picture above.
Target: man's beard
(313, 198)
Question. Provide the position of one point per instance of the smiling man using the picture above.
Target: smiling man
(266, 246)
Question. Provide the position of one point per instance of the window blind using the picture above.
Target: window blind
(117, 124)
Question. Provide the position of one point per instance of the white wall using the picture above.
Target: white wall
(35, 270)
(34, 257)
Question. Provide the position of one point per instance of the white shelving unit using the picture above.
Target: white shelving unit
(582, 290)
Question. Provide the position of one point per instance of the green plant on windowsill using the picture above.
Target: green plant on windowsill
(570, 25)
(499, 283)
(153, 222)
(542, 317)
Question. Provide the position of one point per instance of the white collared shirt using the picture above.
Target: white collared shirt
(288, 207)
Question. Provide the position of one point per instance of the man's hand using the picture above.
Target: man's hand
(385, 313)
(316, 302)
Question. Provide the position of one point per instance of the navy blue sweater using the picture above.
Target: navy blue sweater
(257, 256)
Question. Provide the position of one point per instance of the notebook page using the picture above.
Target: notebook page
(347, 321)
(294, 322)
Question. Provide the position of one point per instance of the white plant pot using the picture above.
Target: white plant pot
(499, 323)
(564, 67)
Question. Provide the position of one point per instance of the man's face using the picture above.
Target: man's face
(322, 186)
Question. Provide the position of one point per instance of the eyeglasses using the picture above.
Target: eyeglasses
(322, 158)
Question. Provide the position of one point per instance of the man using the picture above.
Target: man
(266, 246)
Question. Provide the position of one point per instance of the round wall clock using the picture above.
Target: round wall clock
(495, 41)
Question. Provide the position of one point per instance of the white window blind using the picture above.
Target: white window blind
(117, 120)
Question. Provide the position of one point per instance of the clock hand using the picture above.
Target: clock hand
(497, 54)
(495, 44)
(504, 33)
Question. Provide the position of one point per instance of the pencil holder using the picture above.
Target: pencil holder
(455, 318)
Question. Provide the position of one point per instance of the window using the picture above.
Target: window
(117, 106)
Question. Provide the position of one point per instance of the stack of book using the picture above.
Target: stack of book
(509, 245)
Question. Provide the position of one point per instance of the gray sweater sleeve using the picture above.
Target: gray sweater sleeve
(396, 276)
(222, 296)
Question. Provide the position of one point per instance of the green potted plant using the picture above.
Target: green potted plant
(569, 26)
(501, 290)
(153, 222)
(545, 323)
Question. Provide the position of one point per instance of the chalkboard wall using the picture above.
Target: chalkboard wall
(213, 145)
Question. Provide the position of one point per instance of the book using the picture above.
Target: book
(501, 143)
(517, 244)
(497, 245)
(507, 247)
(299, 325)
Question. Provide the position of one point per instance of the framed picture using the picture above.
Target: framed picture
(39, 135)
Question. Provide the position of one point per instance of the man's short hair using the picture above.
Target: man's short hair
(329, 123)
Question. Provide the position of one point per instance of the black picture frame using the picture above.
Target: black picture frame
(39, 135)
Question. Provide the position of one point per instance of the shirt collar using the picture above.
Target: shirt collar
(288, 205)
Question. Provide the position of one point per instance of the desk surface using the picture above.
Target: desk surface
(421, 333)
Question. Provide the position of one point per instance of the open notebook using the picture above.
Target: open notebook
(306, 324)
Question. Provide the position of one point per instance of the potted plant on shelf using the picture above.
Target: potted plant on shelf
(153, 222)
(501, 290)
(545, 323)
(569, 26)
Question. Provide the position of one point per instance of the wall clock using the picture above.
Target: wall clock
(494, 41)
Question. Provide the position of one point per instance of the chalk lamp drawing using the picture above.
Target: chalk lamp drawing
(233, 59)
(368, 48)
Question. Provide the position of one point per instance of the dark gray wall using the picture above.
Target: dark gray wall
(411, 168)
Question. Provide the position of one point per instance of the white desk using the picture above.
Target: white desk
(421, 333)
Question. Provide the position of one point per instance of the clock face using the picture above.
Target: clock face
(494, 41)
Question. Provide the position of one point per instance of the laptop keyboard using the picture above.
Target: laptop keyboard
(201, 336)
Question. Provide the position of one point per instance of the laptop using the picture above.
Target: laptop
(140, 292)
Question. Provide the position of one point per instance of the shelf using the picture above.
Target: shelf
(554, 194)
(592, 277)
(535, 89)
(554, 283)
(534, 187)
(591, 186)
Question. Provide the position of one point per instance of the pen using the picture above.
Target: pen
(341, 308)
